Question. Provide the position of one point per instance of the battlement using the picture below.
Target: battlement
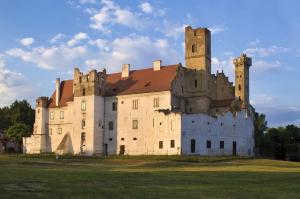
(42, 102)
(243, 60)
(92, 83)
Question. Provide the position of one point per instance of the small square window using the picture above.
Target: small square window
(82, 124)
(134, 138)
(110, 139)
(156, 102)
(83, 105)
(161, 144)
(114, 106)
(122, 139)
(59, 131)
(51, 115)
(61, 115)
(135, 124)
(135, 104)
(172, 143)
(110, 125)
(221, 144)
(208, 144)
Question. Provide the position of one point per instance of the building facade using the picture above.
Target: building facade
(170, 109)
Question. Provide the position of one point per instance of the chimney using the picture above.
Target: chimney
(57, 87)
(156, 65)
(125, 70)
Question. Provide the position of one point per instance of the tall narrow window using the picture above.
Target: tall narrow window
(83, 92)
(135, 104)
(196, 83)
(83, 105)
(114, 106)
(193, 145)
(208, 144)
(156, 102)
(172, 144)
(161, 144)
(240, 88)
(61, 115)
(135, 124)
(194, 48)
(110, 125)
(83, 123)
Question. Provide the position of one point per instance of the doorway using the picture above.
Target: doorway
(122, 150)
(234, 148)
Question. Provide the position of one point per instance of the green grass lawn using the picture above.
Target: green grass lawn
(147, 177)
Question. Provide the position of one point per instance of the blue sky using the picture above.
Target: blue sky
(42, 40)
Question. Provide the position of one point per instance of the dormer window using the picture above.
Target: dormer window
(194, 48)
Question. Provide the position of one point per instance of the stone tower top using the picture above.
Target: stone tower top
(198, 48)
(92, 83)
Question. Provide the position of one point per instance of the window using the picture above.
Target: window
(59, 131)
(240, 88)
(61, 115)
(134, 138)
(122, 139)
(221, 144)
(114, 106)
(161, 144)
(194, 48)
(51, 115)
(156, 102)
(172, 143)
(196, 83)
(111, 125)
(208, 144)
(83, 105)
(83, 92)
(135, 124)
(135, 104)
(193, 145)
(82, 124)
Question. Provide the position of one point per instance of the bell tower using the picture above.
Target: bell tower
(242, 65)
(198, 49)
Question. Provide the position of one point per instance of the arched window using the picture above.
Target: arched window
(194, 48)
(240, 88)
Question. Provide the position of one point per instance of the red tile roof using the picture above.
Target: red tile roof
(139, 81)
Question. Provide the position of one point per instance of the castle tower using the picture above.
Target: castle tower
(88, 92)
(242, 65)
(198, 49)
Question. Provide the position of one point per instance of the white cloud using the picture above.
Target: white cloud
(26, 41)
(139, 51)
(146, 7)
(254, 42)
(216, 29)
(262, 99)
(12, 85)
(87, 1)
(50, 57)
(264, 52)
(264, 65)
(173, 30)
(77, 38)
(57, 37)
(111, 13)
(225, 65)
(102, 44)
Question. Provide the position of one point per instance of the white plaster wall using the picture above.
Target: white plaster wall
(202, 127)
(123, 117)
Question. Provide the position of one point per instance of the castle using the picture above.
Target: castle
(157, 110)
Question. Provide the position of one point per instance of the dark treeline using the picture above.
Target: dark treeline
(17, 120)
(280, 143)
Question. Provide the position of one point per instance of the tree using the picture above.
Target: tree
(260, 126)
(17, 132)
(21, 112)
